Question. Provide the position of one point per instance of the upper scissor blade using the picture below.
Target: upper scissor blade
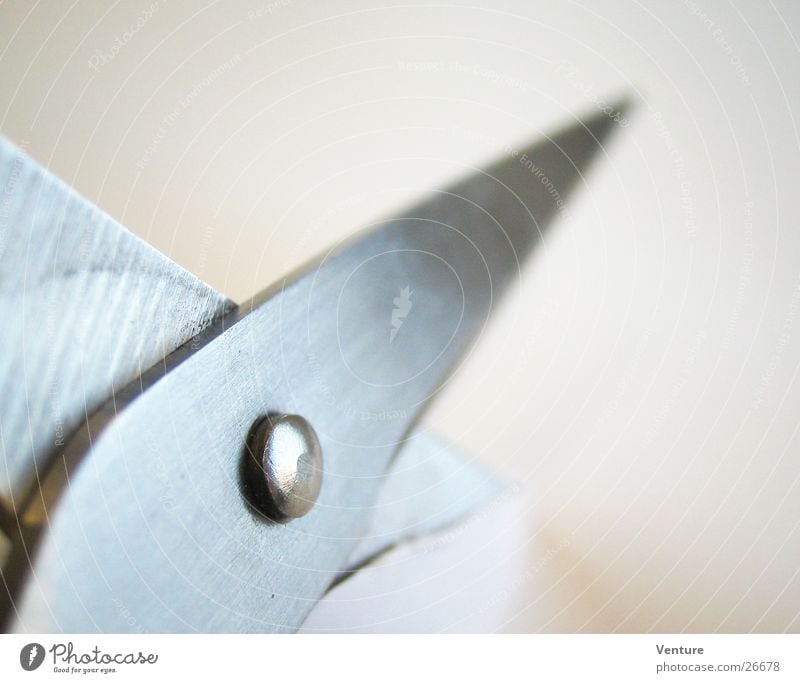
(505, 208)
(406, 298)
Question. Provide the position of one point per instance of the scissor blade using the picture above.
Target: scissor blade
(154, 530)
(85, 306)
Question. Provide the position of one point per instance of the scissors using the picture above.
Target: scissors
(173, 462)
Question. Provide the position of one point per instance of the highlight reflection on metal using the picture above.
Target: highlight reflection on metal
(152, 522)
(286, 460)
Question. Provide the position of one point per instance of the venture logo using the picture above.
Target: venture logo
(402, 307)
(31, 656)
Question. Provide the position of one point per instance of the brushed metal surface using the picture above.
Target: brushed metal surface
(85, 306)
(153, 531)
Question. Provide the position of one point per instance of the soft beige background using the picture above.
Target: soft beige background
(639, 384)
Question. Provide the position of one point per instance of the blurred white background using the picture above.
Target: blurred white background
(638, 385)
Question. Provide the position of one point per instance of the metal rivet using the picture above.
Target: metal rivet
(289, 463)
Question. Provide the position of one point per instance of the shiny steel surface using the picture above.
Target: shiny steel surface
(286, 464)
(85, 306)
(152, 532)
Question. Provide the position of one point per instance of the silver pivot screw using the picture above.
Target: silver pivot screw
(286, 467)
